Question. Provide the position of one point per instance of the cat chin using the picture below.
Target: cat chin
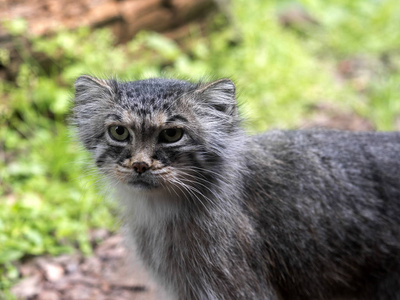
(144, 185)
(155, 192)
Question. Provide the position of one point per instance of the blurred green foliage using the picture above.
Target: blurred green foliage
(49, 198)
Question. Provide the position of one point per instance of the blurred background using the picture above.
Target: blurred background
(296, 64)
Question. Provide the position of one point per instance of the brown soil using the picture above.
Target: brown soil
(108, 274)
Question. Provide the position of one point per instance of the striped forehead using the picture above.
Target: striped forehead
(148, 99)
(148, 121)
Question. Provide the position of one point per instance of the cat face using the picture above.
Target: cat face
(157, 133)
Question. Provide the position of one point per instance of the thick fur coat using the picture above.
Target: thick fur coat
(217, 214)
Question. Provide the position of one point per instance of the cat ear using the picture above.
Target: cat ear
(88, 88)
(93, 97)
(219, 95)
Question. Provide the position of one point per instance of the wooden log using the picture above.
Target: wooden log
(125, 17)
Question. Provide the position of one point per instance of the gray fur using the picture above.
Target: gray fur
(221, 215)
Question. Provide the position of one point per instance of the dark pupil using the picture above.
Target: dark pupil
(119, 130)
(171, 132)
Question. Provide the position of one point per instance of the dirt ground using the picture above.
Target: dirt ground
(106, 275)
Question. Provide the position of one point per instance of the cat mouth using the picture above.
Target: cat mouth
(143, 183)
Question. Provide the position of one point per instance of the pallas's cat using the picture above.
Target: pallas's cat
(216, 214)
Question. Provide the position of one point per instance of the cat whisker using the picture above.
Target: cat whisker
(199, 170)
(163, 172)
(194, 180)
(200, 178)
(195, 192)
(191, 192)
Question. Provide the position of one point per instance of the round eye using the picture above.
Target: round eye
(171, 135)
(118, 133)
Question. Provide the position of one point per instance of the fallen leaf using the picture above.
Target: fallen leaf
(28, 287)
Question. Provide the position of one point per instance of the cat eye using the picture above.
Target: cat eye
(118, 133)
(171, 135)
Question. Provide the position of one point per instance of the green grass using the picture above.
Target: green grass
(48, 194)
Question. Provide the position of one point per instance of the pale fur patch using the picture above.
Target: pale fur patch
(149, 209)
(146, 208)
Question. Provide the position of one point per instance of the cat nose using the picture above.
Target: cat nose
(140, 167)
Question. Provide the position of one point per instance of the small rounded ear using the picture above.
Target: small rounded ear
(88, 88)
(220, 95)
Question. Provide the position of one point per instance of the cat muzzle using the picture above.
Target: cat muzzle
(140, 167)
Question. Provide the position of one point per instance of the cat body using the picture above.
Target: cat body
(216, 214)
(328, 213)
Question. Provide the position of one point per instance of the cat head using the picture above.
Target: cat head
(158, 133)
